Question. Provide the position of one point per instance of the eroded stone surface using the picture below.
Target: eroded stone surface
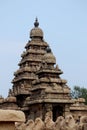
(11, 116)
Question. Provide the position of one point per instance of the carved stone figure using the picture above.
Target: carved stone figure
(39, 124)
(29, 124)
(20, 126)
(48, 114)
(83, 122)
(83, 119)
(68, 123)
(49, 123)
(58, 122)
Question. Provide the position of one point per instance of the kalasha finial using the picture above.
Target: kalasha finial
(36, 23)
(48, 49)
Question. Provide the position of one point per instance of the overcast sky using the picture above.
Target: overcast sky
(64, 23)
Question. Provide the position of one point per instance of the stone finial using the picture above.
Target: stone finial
(48, 49)
(36, 31)
(36, 23)
(57, 67)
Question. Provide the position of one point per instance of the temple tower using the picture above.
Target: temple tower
(37, 85)
(29, 64)
(49, 92)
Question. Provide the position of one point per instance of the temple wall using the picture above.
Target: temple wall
(77, 114)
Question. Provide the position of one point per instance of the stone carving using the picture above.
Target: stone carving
(83, 119)
(30, 124)
(61, 123)
(39, 124)
(48, 114)
(10, 99)
(10, 93)
(57, 67)
(49, 123)
(79, 127)
(83, 123)
(20, 126)
(68, 123)
(58, 122)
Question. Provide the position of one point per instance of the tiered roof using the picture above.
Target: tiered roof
(50, 86)
(37, 85)
(30, 62)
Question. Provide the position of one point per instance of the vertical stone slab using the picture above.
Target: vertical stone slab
(67, 110)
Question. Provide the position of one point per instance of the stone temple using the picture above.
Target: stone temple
(37, 85)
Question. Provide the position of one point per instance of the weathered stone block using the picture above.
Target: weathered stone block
(12, 115)
(9, 117)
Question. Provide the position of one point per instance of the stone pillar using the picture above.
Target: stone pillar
(67, 110)
(48, 109)
(41, 116)
(31, 116)
(9, 117)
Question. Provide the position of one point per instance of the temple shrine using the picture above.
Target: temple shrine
(37, 85)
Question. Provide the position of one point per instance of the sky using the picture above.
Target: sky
(64, 23)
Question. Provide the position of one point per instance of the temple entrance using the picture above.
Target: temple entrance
(57, 111)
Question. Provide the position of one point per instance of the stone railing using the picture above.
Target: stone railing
(15, 120)
(61, 123)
